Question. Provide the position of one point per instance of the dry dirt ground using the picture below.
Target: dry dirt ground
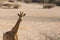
(38, 24)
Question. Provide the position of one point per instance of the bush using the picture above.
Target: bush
(7, 5)
(57, 3)
(10, 5)
(16, 6)
(11, 1)
(48, 6)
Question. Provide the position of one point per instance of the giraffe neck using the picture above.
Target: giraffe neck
(15, 28)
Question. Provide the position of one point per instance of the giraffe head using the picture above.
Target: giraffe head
(21, 15)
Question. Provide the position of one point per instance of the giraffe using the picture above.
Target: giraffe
(12, 34)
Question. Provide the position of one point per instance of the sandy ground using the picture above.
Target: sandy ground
(37, 23)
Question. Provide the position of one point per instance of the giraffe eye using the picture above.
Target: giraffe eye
(18, 14)
(24, 14)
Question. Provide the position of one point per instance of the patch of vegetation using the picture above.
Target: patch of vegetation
(57, 3)
(48, 6)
